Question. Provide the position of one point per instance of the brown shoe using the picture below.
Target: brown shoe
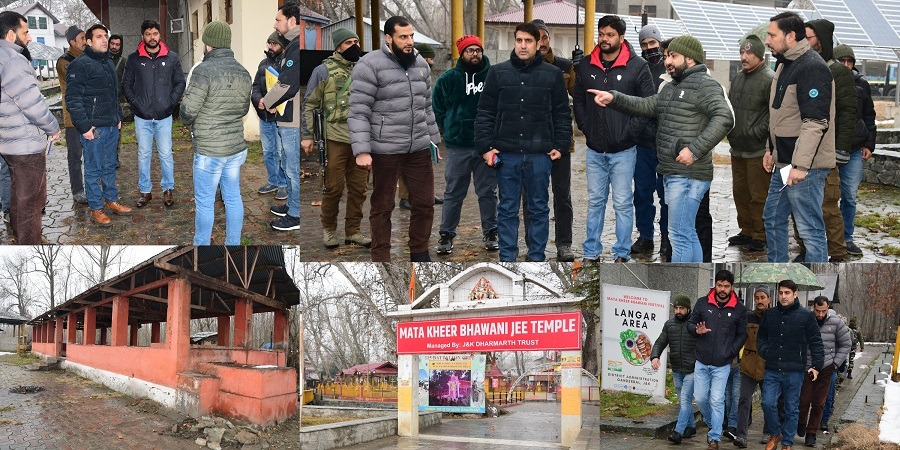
(712, 445)
(100, 218)
(167, 198)
(774, 440)
(145, 198)
(119, 208)
(787, 447)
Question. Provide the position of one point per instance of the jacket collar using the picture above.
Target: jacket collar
(75, 52)
(797, 51)
(292, 34)
(519, 64)
(11, 45)
(711, 299)
(219, 53)
(163, 50)
(794, 306)
(625, 54)
(95, 55)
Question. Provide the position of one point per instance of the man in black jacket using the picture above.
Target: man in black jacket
(530, 97)
(268, 126)
(719, 320)
(153, 83)
(92, 97)
(611, 135)
(787, 334)
(682, 356)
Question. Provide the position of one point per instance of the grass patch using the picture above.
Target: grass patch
(885, 223)
(891, 250)
(859, 437)
(316, 421)
(20, 360)
(7, 408)
(254, 153)
(633, 406)
(870, 191)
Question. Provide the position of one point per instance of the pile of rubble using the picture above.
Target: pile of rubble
(216, 433)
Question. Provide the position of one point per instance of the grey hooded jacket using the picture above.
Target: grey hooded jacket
(836, 338)
(25, 119)
(390, 108)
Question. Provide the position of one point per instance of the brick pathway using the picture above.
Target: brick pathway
(157, 225)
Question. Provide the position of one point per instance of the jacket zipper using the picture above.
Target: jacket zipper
(94, 107)
(412, 110)
(381, 128)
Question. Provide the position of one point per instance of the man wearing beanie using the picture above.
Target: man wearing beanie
(560, 169)
(646, 178)
(215, 103)
(328, 91)
(273, 153)
(75, 38)
(749, 97)
(682, 356)
(287, 91)
(393, 131)
(693, 116)
(427, 52)
(801, 128)
(862, 148)
(153, 84)
(753, 366)
(524, 122)
(455, 101)
(611, 135)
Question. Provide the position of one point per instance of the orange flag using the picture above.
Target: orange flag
(412, 283)
(576, 267)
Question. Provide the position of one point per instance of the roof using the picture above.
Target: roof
(11, 318)
(378, 368)
(219, 277)
(203, 335)
(24, 10)
(552, 12)
(312, 16)
(60, 29)
(350, 23)
(43, 51)
(495, 372)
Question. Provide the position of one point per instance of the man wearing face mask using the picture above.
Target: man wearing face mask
(273, 153)
(328, 89)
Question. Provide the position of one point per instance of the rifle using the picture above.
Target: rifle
(319, 138)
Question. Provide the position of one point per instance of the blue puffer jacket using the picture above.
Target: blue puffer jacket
(92, 91)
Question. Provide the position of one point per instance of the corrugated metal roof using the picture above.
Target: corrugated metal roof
(9, 317)
(553, 12)
(350, 23)
(312, 15)
(381, 368)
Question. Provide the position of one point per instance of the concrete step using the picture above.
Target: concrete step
(888, 136)
(50, 364)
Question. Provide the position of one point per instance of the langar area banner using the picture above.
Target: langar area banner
(452, 383)
(632, 320)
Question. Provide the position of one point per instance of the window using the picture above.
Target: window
(41, 40)
(635, 10)
(195, 25)
(208, 17)
(606, 7)
(32, 22)
(42, 23)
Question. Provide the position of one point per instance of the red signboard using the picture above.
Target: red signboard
(528, 332)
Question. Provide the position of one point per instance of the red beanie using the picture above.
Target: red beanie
(466, 41)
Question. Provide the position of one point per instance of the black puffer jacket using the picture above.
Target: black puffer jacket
(524, 108)
(729, 329)
(92, 92)
(682, 345)
(865, 132)
(845, 108)
(607, 130)
(259, 89)
(153, 85)
(785, 337)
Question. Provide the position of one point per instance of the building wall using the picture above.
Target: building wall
(46, 34)
(126, 17)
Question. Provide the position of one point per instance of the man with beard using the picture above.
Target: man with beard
(455, 99)
(153, 85)
(693, 116)
(115, 54)
(328, 89)
(682, 357)
(392, 130)
(75, 38)
(273, 154)
(801, 129)
(524, 95)
(26, 124)
(753, 366)
(611, 135)
(287, 91)
(749, 96)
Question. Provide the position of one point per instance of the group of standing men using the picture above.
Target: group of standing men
(720, 352)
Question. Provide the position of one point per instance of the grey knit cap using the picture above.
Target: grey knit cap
(649, 31)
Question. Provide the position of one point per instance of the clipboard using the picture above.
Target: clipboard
(271, 79)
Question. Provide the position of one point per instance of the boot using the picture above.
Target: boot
(143, 200)
(850, 374)
(675, 438)
(810, 440)
(420, 257)
(119, 208)
(712, 445)
(100, 218)
(330, 239)
(774, 440)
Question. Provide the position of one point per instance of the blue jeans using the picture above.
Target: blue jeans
(161, 131)
(829, 401)
(774, 385)
(709, 392)
(462, 165)
(224, 172)
(851, 177)
(646, 181)
(733, 396)
(272, 153)
(533, 171)
(290, 145)
(683, 196)
(100, 166)
(684, 386)
(5, 185)
(804, 199)
(605, 170)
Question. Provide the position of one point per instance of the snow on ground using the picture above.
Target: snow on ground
(6, 353)
(890, 432)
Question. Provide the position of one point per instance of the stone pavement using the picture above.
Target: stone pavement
(157, 225)
(864, 406)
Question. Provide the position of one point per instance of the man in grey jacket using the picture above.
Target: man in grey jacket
(392, 130)
(26, 124)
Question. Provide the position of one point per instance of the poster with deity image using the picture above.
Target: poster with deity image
(452, 383)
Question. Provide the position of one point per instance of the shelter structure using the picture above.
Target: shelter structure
(96, 332)
(382, 371)
(13, 336)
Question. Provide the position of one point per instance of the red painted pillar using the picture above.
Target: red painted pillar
(71, 328)
(134, 334)
(154, 333)
(243, 322)
(103, 336)
(58, 336)
(224, 329)
(119, 336)
(178, 323)
(281, 338)
(89, 336)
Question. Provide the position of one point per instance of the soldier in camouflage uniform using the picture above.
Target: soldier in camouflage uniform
(855, 338)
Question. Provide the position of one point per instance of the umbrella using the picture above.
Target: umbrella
(759, 30)
(768, 273)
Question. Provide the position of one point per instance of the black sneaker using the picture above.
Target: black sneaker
(665, 250)
(740, 442)
(445, 244)
(404, 204)
(739, 239)
(286, 223)
(853, 249)
(810, 440)
(675, 438)
(756, 245)
(801, 431)
(689, 431)
(801, 257)
(491, 243)
(731, 433)
(642, 245)
(279, 210)
(824, 427)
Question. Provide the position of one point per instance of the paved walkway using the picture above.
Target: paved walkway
(65, 223)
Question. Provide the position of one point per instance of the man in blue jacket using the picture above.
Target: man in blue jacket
(787, 334)
(530, 97)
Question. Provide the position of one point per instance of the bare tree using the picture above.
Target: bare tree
(14, 282)
(50, 266)
(100, 260)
